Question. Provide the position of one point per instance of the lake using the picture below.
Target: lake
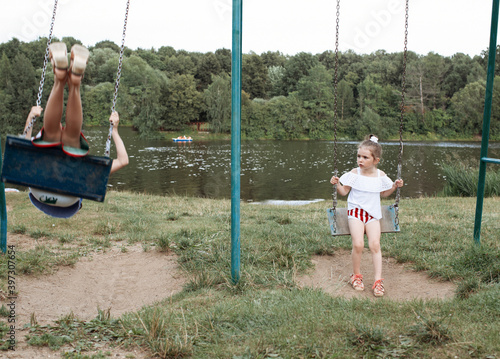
(271, 170)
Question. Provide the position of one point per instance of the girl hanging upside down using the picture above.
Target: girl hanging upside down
(69, 137)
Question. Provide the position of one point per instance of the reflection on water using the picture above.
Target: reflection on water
(271, 170)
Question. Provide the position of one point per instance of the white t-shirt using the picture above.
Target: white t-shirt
(365, 191)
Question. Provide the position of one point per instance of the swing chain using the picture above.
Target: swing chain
(117, 83)
(44, 69)
(335, 106)
(403, 91)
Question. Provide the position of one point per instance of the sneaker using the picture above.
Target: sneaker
(357, 281)
(378, 288)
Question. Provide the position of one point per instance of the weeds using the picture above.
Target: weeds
(4, 312)
(162, 331)
(84, 336)
(368, 338)
(163, 243)
(468, 287)
(42, 260)
(432, 331)
(18, 229)
(462, 180)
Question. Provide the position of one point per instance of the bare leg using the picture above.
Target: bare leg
(373, 234)
(74, 113)
(54, 108)
(357, 229)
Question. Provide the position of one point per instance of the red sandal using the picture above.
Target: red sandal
(357, 281)
(378, 288)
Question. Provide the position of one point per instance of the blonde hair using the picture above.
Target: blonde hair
(371, 143)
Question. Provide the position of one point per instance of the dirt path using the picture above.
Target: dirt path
(122, 282)
(331, 274)
(119, 281)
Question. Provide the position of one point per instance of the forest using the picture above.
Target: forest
(283, 96)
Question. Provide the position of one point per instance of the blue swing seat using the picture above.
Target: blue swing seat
(50, 169)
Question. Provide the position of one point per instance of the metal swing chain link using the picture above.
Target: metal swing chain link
(335, 105)
(44, 69)
(117, 83)
(403, 91)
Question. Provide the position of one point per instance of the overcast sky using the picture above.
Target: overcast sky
(289, 26)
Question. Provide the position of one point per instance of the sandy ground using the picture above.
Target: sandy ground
(125, 281)
(119, 281)
(331, 274)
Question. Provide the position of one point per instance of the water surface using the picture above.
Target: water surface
(271, 170)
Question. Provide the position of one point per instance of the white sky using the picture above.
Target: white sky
(290, 26)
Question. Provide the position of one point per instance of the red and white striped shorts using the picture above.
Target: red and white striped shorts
(360, 214)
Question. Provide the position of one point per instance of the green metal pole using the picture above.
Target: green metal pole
(486, 122)
(3, 212)
(236, 139)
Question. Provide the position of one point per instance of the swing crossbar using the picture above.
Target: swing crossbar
(50, 169)
(337, 218)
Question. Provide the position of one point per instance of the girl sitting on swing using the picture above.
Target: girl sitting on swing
(69, 137)
(365, 185)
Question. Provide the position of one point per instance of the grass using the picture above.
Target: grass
(462, 179)
(266, 315)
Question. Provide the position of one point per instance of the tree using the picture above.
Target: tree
(435, 69)
(224, 58)
(217, 98)
(275, 75)
(467, 106)
(23, 88)
(166, 51)
(297, 67)
(327, 59)
(97, 103)
(106, 44)
(289, 117)
(35, 51)
(102, 66)
(208, 66)
(145, 89)
(254, 78)
(461, 71)
(6, 91)
(182, 103)
(180, 65)
(378, 108)
(345, 105)
(316, 92)
(152, 58)
(273, 58)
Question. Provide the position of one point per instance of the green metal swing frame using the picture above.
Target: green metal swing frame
(484, 159)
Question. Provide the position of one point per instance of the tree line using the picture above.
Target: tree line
(283, 97)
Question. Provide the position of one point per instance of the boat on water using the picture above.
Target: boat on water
(182, 139)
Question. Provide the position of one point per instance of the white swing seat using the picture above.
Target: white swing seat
(337, 219)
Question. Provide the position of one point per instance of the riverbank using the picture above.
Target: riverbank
(268, 313)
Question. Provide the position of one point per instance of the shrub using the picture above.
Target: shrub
(462, 180)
